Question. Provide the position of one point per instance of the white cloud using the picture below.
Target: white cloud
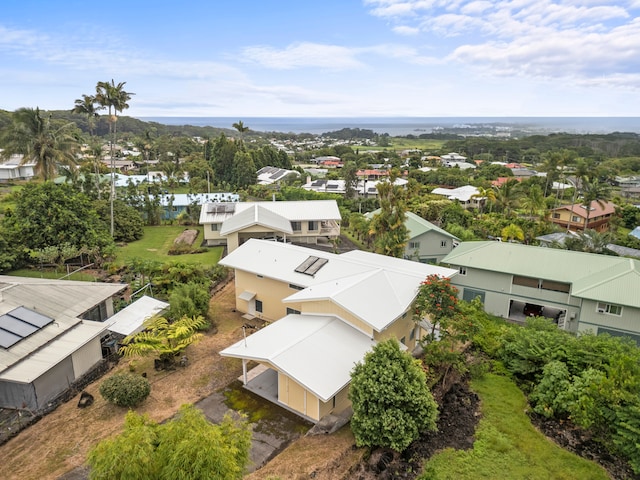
(406, 30)
(304, 54)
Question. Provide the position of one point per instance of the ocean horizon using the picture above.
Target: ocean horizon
(401, 126)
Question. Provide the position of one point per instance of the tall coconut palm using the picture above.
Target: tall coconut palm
(89, 107)
(114, 98)
(594, 191)
(533, 202)
(41, 141)
(240, 127)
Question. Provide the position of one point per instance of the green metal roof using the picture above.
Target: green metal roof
(595, 277)
(416, 225)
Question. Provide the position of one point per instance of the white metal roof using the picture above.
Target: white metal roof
(256, 215)
(31, 367)
(129, 320)
(462, 194)
(318, 352)
(292, 211)
(375, 288)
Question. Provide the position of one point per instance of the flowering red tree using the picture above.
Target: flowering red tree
(437, 299)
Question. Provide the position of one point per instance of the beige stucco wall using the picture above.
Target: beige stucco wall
(213, 235)
(271, 292)
(402, 327)
(342, 402)
(326, 307)
(296, 397)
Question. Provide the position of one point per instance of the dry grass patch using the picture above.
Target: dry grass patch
(322, 457)
(60, 441)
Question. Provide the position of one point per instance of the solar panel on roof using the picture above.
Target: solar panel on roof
(315, 266)
(302, 268)
(14, 325)
(29, 316)
(332, 187)
(19, 323)
(311, 265)
(8, 339)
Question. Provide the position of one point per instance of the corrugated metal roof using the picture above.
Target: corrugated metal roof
(62, 300)
(53, 353)
(593, 276)
(257, 215)
(318, 352)
(417, 225)
(129, 320)
(292, 211)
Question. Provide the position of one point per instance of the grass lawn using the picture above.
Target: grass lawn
(156, 242)
(507, 446)
(31, 273)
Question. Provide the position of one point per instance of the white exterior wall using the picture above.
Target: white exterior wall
(86, 357)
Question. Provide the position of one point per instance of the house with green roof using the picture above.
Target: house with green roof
(427, 243)
(580, 291)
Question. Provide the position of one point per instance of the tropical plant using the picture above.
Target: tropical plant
(164, 339)
(88, 106)
(240, 127)
(40, 140)
(436, 300)
(125, 389)
(388, 225)
(114, 98)
(594, 191)
(186, 447)
(392, 404)
(512, 232)
(507, 196)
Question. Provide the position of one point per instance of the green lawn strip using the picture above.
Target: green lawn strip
(507, 446)
(32, 273)
(155, 245)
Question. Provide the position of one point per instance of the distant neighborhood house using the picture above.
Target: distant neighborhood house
(232, 224)
(13, 168)
(427, 242)
(574, 217)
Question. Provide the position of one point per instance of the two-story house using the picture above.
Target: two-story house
(574, 217)
(427, 242)
(327, 310)
(580, 291)
(232, 224)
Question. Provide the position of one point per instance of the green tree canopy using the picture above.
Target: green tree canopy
(50, 215)
(186, 447)
(392, 404)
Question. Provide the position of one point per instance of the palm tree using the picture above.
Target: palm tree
(114, 98)
(88, 106)
(594, 191)
(533, 202)
(507, 196)
(40, 141)
(512, 232)
(240, 127)
(489, 196)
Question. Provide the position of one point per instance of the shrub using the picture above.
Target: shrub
(125, 389)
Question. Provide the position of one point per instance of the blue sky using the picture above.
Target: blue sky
(327, 58)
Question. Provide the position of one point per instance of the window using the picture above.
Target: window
(313, 225)
(609, 309)
(292, 311)
(414, 245)
(296, 226)
(443, 243)
(556, 215)
(259, 306)
(462, 270)
(412, 335)
(293, 286)
(214, 227)
(526, 281)
(403, 341)
(575, 218)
